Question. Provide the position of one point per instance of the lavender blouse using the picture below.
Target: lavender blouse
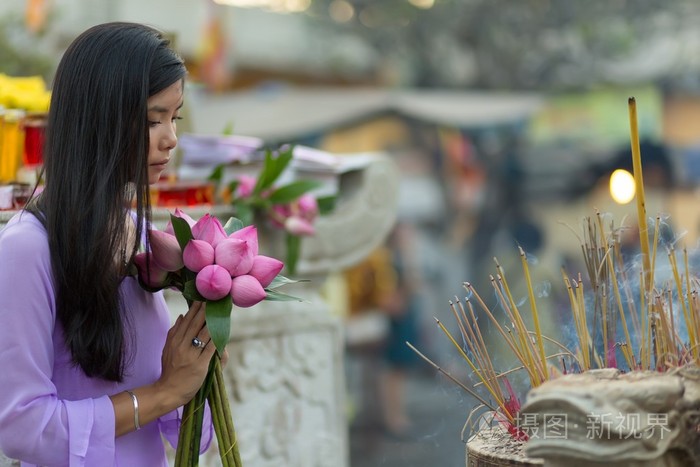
(51, 413)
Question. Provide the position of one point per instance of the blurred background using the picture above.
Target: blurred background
(506, 120)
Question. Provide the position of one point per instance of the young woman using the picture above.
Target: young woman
(91, 374)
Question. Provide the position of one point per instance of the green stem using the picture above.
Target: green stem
(184, 443)
(222, 436)
(227, 418)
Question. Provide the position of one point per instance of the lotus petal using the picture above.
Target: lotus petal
(265, 269)
(166, 251)
(197, 255)
(246, 291)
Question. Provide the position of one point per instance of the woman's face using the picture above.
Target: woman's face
(163, 113)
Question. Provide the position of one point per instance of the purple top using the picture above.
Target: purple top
(51, 413)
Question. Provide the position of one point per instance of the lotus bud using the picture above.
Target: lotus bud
(213, 282)
(296, 225)
(181, 214)
(151, 276)
(279, 213)
(197, 254)
(248, 234)
(234, 255)
(265, 269)
(245, 187)
(246, 291)
(166, 251)
(209, 229)
(308, 206)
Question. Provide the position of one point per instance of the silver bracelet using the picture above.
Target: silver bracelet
(136, 410)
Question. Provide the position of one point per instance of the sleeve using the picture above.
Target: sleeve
(170, 427)
(35, 425)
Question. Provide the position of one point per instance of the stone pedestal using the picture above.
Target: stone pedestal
(285, 375)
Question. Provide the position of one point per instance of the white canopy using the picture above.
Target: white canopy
(279, 113)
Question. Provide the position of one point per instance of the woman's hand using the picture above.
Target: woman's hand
(184, 365)
(184, 368)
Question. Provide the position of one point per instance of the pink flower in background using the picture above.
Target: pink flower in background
(245, 187)
(297, 217)
(213, 282)
(246, 291)
(299, 226)
(307, 206)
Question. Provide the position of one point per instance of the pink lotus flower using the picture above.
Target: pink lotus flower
(246, 291)
(153, 276)
(248, 234)
(234, 255)
(308, 206)
(197, 255)
(181, 214)
(213, 282)
(296, 225)
(279, 213)
(209, 229)
(265, 269)
(245, 187)
(166, 251)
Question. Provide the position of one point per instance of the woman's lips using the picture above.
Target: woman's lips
(161, 164)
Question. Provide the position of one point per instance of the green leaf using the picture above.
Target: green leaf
(288, 193)
(275, 296)
(182, 230)
(233, 185)
(219, 321)
(190, 292)
(228, 129)
(280, 280)
(293, 246)
(272, 169)
(217, 174)
(326, 204)
(233, 224)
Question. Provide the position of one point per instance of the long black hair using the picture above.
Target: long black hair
(96, 165)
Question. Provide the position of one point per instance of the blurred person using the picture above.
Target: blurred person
(403, 308)
(384, 286)
(93, 372)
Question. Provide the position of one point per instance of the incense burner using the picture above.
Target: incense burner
(636, 419)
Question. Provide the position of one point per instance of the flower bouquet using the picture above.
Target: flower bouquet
(220, 265)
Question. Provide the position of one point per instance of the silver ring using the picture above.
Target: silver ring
(198, 343)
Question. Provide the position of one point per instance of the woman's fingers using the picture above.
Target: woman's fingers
(189, 321)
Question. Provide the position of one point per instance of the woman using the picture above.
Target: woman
(92, 375)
